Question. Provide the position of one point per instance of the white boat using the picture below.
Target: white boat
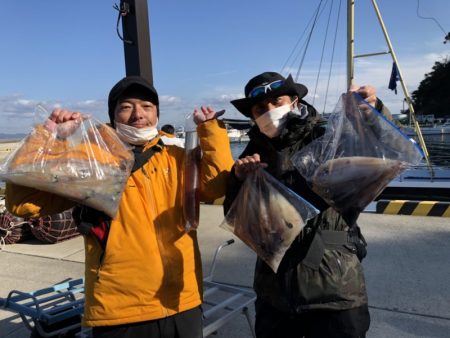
(234, 135)
(435, 130)
(424, 183)
(237, 136)
(419, 183)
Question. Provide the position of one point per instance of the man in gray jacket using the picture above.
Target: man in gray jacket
(319, 289)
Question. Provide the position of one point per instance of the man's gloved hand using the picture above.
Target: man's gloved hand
(91, 221)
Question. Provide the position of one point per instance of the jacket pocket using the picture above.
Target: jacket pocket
(337, 284)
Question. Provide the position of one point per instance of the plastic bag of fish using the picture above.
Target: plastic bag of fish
(358, 155)
(267, 216)
(191, 194)
(82, 160)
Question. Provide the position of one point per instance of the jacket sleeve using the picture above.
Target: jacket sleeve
(216, 160)
(28, 202)
(233, 188)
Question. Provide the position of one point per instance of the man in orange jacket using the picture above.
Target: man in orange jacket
(143, 273)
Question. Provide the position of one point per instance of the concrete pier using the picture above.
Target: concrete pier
(6, 147)
(407, 271)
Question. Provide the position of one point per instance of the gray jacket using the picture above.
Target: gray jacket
(321, 269)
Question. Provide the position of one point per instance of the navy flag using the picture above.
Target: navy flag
(395, 76)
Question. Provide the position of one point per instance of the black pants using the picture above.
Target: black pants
(272, 323)
(187, 324)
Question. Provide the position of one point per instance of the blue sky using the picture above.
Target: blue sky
(67, 53)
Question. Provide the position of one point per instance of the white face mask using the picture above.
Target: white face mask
(272, 122)
(136, 136)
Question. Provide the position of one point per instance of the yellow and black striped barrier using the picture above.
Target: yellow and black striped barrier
(416, 208)
(219, 201)
(402, 207)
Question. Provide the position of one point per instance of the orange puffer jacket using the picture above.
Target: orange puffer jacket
(151, 267)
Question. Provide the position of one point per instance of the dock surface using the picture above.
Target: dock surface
(407, 271)
(6, 147)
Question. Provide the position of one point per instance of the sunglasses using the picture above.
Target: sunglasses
(260, 90)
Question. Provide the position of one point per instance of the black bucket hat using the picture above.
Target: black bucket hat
(267, 85)
(130, 84)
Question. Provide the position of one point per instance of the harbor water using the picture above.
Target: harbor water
(438, 148)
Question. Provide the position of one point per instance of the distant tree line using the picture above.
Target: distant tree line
(433, 94)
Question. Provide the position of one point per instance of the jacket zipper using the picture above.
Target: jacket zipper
(157, 234)
(100, 264)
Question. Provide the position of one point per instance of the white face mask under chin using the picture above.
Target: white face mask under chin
(136, 136)
(270, 123)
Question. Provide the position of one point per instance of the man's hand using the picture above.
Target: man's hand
(368, 93)
(59, 115)
(205, 114)
(64, 122)
(247, 165)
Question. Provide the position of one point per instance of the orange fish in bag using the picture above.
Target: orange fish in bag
(82, 160)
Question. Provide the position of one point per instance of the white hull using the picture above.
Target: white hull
(428, 130)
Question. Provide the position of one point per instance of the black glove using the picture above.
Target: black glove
(85, 218)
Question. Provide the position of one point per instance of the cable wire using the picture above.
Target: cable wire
(323, 50)
(447, 35)
(308, 40)
(123, 10)
(296, 45)
(332, 56)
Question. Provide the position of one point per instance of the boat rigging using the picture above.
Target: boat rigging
(351, 56)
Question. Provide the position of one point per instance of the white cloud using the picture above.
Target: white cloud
(169, 99)
(374, 71)
(230, 97)
(19, 114)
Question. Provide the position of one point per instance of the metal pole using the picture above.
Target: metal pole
(350, 41)
(136, 33)
(405, 90)
(369, 54)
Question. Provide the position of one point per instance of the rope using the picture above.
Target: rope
(2, 243)
(332, 55)
(8, 231)
(123, 10)
(296, 44)
(323, 50)
(55, 228)
(308, 40)
(429, 18)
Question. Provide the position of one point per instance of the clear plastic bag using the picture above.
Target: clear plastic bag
(191, 197)
(82, 160)
(267, 216)
(359, 154)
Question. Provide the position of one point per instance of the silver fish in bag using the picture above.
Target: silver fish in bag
(267, 216)
(349, 184)
(357, 156)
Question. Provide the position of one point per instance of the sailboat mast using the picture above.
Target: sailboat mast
(405, 90)
(394, 57)
(350, 65)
